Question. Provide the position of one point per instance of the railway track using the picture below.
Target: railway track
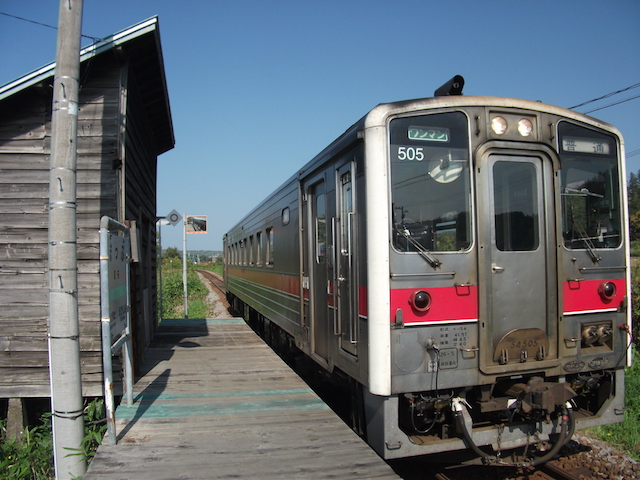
(554, 472)
(217, 283)
(548, 471)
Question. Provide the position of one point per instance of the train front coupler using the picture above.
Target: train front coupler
(537, 399)
(534, 402)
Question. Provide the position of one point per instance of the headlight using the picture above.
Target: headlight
(498, 125)
(525, 127)
(512, 125)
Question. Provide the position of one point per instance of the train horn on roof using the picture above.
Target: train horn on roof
(452, 87)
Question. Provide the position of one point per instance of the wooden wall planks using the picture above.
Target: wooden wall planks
(108, 105)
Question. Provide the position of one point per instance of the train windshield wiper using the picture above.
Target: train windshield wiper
(578, 226)
(424, 253)
(583, 192)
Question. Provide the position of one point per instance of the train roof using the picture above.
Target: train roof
(382, 111)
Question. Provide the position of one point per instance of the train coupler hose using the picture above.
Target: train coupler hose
(567, 426)
(457, 406)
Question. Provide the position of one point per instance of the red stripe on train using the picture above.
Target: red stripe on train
(448, 304)
(583, 295)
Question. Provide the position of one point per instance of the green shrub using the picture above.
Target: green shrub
(635, 303)
(32, 458)
(626, 434)
(173, 291)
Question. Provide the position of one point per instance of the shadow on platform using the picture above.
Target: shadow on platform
(145, 399)
(172, 332)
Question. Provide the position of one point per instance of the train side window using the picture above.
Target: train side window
(270, 248)
(251, 247)
(285, 216)
(244, 252)
(321, 226)
(347, 213)
(259, 248)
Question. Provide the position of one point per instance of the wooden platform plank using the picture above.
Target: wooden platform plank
(216, 402)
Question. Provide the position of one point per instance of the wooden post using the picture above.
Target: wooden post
(16, 419)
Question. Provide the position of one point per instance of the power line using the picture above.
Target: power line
(612, 104)
(605, 96)
(42, 24)
(27, 20)
(633, 153)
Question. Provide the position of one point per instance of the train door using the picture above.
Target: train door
(518, 287)
(316, 272)
(346, 323)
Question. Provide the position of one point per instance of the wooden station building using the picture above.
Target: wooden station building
(124, 124)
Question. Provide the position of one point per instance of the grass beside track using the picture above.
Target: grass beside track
(173, 290)
(625, 435)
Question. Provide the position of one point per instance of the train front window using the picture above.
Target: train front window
(430, 183)
(590, 188)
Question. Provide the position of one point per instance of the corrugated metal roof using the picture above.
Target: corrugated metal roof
(142, 46)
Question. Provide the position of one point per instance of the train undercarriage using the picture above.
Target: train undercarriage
(545, 411)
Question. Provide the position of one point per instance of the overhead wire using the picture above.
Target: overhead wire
(86, 71)
(606, 96)
(612, 104)
(42, 24)
(633, 153)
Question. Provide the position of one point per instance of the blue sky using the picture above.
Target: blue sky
(258, 87)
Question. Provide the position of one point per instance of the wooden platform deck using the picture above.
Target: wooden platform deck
(216, 402)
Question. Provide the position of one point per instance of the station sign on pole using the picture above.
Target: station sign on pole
(173, 217)
(197, 224)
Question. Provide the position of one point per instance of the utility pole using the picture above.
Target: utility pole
(64, 335)
(159, 259)
(184, 267)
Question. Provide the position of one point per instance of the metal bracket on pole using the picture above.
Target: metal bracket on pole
(115, 307)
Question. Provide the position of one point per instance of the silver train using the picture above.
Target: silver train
(464, 262)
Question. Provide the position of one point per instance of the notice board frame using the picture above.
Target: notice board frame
(115, 311)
